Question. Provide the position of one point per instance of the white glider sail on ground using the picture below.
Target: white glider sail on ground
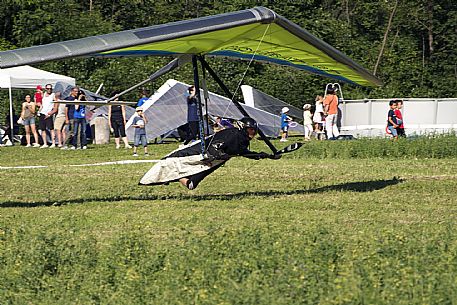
(268, 103)
(166, 110)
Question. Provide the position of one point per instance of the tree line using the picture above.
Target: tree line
(410, 45)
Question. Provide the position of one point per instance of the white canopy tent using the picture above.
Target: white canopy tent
(27, 77)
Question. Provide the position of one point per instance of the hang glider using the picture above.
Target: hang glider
(93, 99)
(97, 103)
(263, 101)
(257, 33)
(166, 110)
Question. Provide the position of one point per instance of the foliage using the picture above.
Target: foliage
(419, 59)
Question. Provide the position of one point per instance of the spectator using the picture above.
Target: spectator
(192, 115)
(144, 97)
(401, 127)
(392, 120)
(8, 127)
(221, 124)
(38, 97)
(79, 124)
(331, 112)
(318, 116)
(47, 110)
(307, 121)
(285, 119)
(59, 124)
(70, 117)
(116, 118)
(28, 118)
(139, 123)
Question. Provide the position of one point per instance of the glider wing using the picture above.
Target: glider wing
(236, 34)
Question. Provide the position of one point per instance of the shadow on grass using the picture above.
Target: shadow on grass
(364, 186)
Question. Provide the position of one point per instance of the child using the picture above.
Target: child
(139, 123)
(307, 121)
(392, 120)
(401, 127)
(38, 97)
(318, 117)
(285, 119)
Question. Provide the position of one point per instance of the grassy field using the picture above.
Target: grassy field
(337, 222)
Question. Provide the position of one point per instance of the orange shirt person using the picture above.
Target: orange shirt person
(331, 112)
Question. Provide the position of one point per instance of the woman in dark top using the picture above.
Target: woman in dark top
(116, 117)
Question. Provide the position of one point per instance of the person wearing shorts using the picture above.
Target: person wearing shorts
(116, 118)
(392, 120)
(28, 118)
(59, 124)
(285, 119)
(139, 123)
(47, 110)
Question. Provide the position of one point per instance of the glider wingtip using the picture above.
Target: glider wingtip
(265, 13)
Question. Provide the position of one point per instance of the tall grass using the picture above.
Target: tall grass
(337, 222)
(433, 146)
(257, 265)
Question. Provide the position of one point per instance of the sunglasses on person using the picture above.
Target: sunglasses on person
(48, 88)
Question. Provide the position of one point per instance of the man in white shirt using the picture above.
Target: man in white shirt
(47, 110)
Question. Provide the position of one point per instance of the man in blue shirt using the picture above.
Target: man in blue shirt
(80, 123)
(192, 115)
(285, 119)
(143, 99)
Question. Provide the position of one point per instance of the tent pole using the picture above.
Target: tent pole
(11, 115)
(175, 63)
(201, 127)
(237, 104)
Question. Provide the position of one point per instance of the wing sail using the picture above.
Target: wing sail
(235, 34)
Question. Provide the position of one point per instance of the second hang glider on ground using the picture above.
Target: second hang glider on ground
(257, 33)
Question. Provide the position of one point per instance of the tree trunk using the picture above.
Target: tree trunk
(347, 12)
(430, 26)
(384, 40)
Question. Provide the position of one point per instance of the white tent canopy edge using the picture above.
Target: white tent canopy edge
(27, 77)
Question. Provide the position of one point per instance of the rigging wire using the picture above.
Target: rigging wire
(244, 75)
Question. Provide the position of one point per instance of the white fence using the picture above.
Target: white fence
(368, 117)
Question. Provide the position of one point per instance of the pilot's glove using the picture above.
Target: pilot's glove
(275, 156)
(263, 155)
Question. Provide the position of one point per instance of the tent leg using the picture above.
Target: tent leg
(11, 116)
(237, 104)
(199, 102)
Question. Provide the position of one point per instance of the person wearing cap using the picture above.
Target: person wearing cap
(331, 112)
(38, 97)
(285, 119)
(307, 121)
(116, 119)
(139, 123)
